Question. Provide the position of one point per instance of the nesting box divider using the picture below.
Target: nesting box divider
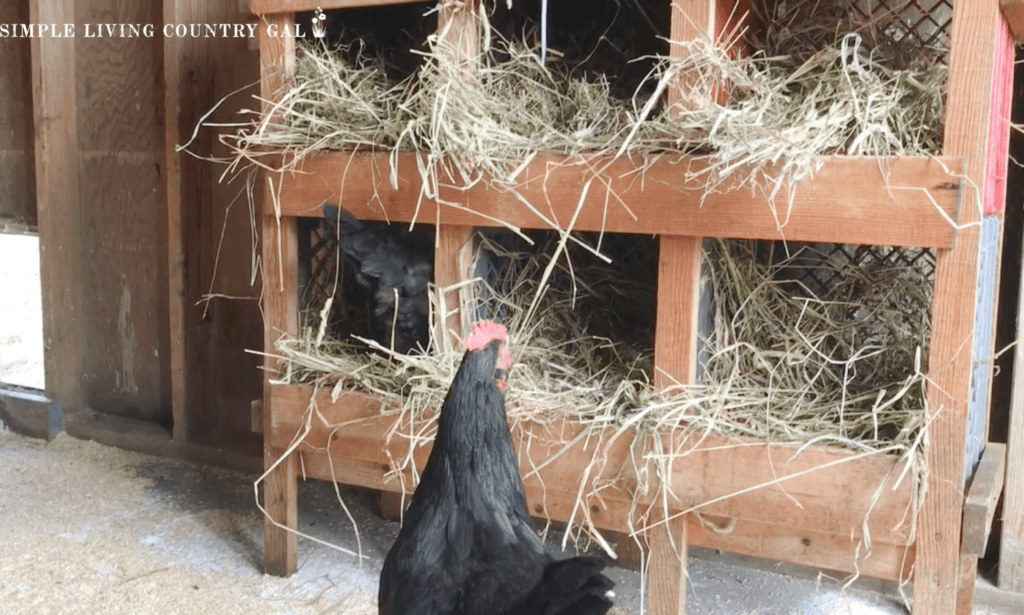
(898, 201)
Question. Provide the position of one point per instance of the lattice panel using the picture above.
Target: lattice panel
(926, 22)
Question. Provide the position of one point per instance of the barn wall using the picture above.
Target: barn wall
(220, 318)
(119, 92)
(17, 167)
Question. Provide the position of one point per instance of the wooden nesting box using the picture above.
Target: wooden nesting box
(814, 517)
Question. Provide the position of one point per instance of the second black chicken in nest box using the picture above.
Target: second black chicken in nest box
(394, 264)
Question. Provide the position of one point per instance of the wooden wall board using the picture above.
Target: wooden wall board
(846, 201)
(975, 26)
(59, 216)
(1011, 551)
(268, 7)
(119, 94)
(17, 137)
(175, 49)
(985, 489)
(211, 243)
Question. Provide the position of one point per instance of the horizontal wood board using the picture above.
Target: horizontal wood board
(365, 447)
(267, 7)
(904, 201)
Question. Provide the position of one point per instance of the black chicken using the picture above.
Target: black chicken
(395, 266)
(467, 545)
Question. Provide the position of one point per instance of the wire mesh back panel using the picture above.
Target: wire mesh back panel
(924, 22)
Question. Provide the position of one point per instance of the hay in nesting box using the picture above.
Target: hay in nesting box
(806, 88)
(785, 363)
(788, 362)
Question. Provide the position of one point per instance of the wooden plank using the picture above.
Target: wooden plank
(121, 157)
(30, 413)
(845, 202)
(669, 547)
(975, 28)
(17, 146)
(797, 545)
(783, 543)
(832, 499)
(984, 492)
(679, 258)
(212, 254)
(280, 313)
(965, 586)
(1013, 13)
(57, 201)
(175, 11)
(280, 500)
(677, 331)
(452, 258)
(1011, 551)
(268, 7)
(778, 529)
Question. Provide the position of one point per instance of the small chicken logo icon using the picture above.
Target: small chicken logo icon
(319, 23)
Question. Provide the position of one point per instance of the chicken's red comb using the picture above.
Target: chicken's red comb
(483, 332)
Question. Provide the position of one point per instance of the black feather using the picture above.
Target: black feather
(394, 264)
(467, 545)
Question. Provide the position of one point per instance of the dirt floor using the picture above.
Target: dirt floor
(88, 528)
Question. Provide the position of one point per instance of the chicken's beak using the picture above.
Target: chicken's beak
(501, 371)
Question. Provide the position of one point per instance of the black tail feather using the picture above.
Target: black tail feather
(573, 586)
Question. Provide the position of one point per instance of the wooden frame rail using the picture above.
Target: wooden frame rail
(883, 201)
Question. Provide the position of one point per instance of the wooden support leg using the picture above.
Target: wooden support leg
(280, 499)
(280, 311)
(1011, 549)
(668, 548)
(630, 553)
(965, 589)
(976, 24)
(390, 505)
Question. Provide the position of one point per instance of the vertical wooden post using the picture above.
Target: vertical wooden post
(669, 548)
(57, 194)
(938, 566)
(1011, 551)
(460, 25)
(452, 257)
(175, 11)
(280, 309)
(676, 336)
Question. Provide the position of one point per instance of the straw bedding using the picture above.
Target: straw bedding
(782, 359)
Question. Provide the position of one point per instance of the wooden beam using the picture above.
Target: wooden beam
(1011, 550)
(175, 11)
(976, 28)
(270, 7)
(826, 481)
(980, 507)
(669, 547)
(452, 257)
(1013, 13)
(823, 530)
(279, 238)
(843, 203)
(677, 329)
(57, 202)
